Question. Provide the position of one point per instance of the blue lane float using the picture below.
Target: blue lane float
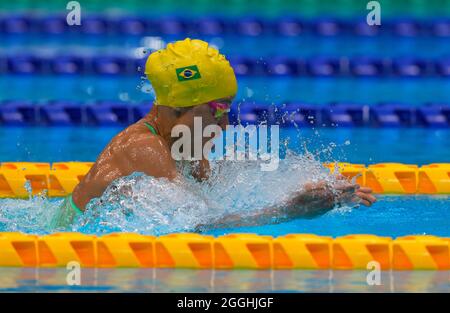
(113, 113)
(276, 66)
(368, 67)
(101, 25)
(393, 115)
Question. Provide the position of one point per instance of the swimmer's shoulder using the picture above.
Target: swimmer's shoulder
(136, 149)
(149, 153)
(139, 137)
(133, 139)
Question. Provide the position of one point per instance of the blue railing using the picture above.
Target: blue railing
(244, 66)
(111, 113)
(216, 26)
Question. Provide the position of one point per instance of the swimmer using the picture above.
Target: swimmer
(190, 79)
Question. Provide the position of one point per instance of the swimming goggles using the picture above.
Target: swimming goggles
(218, 109)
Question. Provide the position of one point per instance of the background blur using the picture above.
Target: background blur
(383, 91)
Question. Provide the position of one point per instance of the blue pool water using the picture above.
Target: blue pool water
(263, 46)
(364, 145)
(87, 89)
(390, 216)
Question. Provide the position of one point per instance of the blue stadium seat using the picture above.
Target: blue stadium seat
(94, 25)
(247, 26)
(327, 27)
(287, 115)
(10, 114)
(18, 113)
(392, 115)
(132, 26)
(367, 67)
(210, 26)
(55, 113)
(405, 27)
(3, 64)
(246, 66)
(446, 112)
(299, 114)
(441, 28)
(443, 67)
(323, 66)
(250, 27)
(24, 64)
(433, 115)
(139, 111)
(68, 65)
(311, 114)
(16, 24)
(55, 25)
(265, 113)
(110, 65)
(290, 27)
(102, 115)
(172, 26)
(76, 112)
(123, 111)
(361, 28)
(114, 113)
(285, 67)
(344, 115)
(410, 67)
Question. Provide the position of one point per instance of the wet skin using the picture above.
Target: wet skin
(136, 149)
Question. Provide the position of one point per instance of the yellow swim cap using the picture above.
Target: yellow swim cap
(188, 73)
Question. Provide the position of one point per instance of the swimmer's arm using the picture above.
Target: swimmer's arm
(314, 200)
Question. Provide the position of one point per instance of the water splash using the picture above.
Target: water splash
(140, 203)
(30, 215)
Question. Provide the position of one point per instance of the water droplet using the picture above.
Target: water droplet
(124, 96)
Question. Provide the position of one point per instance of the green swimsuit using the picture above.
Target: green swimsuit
(65, 214)
(151, 128)
(69, 210)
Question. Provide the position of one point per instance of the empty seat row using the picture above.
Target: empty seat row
(111, 113)
(244, 66)
(247, 26)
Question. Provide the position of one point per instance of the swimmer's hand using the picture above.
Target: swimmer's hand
(318, 198)
(362, 195)
(365, 196)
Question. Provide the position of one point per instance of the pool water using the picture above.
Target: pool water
(354, 145)
(391, 216)
(202, 281)
(258, 47)
(127, 89)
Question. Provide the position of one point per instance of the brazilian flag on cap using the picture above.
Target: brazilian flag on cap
(188, 73)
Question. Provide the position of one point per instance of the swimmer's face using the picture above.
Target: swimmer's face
(211, 113)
